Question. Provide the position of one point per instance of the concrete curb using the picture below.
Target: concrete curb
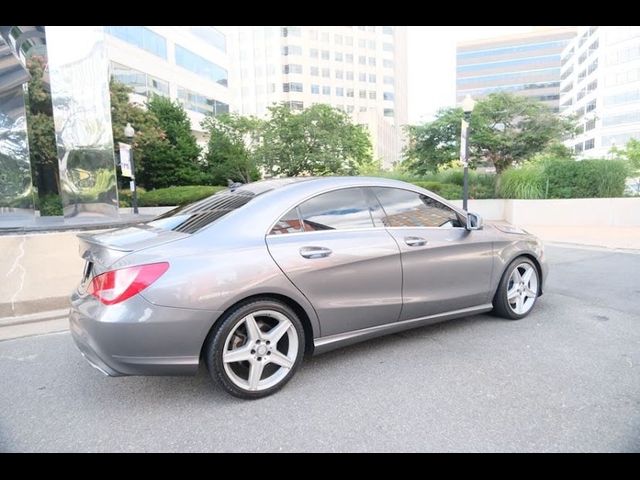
(33, 307)
(34, 324)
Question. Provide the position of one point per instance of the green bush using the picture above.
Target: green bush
(593, 178)
(446, 190)
(565, 178)
(49, 205)
(165, 197)
(525, 182)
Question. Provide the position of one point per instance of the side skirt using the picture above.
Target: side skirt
(326, 344)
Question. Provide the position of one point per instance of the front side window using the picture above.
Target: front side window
(404, 208)
(337, 210)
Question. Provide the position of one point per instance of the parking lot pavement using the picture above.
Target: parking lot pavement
(566, 378)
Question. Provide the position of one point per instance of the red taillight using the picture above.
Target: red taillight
(118, 285)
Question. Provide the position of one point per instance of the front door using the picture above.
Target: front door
(335, 250)
(445, 267)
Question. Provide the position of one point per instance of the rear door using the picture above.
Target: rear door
(445, 267)
(335, 250)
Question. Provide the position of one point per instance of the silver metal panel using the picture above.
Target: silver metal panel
(16, 191)
(78, 70)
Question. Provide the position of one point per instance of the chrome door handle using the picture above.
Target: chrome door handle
(415, 241)
(315, 252)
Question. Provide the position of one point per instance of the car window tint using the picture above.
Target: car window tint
(409, 209)
(289, 223)
(340, 209)
(195, 216)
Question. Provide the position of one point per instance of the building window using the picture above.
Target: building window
(292, 68)
(388, 80)
(142, 38)
(349, 75)
(388, 96)
(578, 147)
(388, 112)
(589, 144)
(196, 102)
(200, 66)
(296, 105)
(350, 108)
(591, 106)
(315, 71)
(387, 47)
(325, 55)
(372, 61)
(326, 72)
(292, 50)
(362, 43)
(291, 32)
(372, 78)
(371, 44)
(210, 35)
(387, 30)
(338, 56)
(339, 74)
(590, 125)
(348, 57)
(386, 63)
(363, 94)
(362, 77)
(362, 109)
(326, 90)
(372, 95)
(292, 87)
(350, 92)
(313, 53)
(362, 60)
(141, 83)
(339, 91)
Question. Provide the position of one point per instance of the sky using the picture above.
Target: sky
(432, 65)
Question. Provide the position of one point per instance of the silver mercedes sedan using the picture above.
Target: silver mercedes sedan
(251, 279)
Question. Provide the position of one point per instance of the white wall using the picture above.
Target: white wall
(577, 212)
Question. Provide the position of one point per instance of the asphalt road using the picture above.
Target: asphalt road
(567, 378)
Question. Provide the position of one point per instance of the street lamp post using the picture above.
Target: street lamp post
(467, 107)
(129, 132)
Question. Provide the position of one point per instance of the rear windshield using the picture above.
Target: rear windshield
(195, 216)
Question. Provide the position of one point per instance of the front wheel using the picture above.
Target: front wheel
(256, 349)
(518, 290)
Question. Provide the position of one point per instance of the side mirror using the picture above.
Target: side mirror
(474, 221)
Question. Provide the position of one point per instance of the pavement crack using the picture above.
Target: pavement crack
(18, 266)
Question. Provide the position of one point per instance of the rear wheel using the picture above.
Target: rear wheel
(518, 290)
(256, 348)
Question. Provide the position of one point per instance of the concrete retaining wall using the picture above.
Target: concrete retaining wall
(578, 212)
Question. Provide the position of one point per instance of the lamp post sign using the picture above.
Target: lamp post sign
(125, 160)
(464, 134)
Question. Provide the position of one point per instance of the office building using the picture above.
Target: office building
(600, 85)
(190, 64)
(359, 69)
(524, 64)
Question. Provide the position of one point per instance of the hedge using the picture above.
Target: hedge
(170, 196)
(592, 178)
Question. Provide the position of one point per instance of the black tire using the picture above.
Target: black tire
(215, 344)
(501, 306)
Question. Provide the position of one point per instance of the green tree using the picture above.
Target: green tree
(631, 153)
(175, 162)
(320, 140)
(506, 129)
(149, 137)
(41, 131)
(232, 148)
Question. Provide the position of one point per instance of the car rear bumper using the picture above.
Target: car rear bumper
(137, 337)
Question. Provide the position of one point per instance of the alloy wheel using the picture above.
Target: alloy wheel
(522, 289)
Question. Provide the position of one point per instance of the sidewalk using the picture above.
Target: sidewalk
(627, 238)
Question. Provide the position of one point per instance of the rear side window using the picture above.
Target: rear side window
(404, 208)
(337, 210)
(195, 216)
(289, 223)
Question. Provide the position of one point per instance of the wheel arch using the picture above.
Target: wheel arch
(529, 255)
(290, 302)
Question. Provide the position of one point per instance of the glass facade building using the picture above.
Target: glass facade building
(525, 64)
